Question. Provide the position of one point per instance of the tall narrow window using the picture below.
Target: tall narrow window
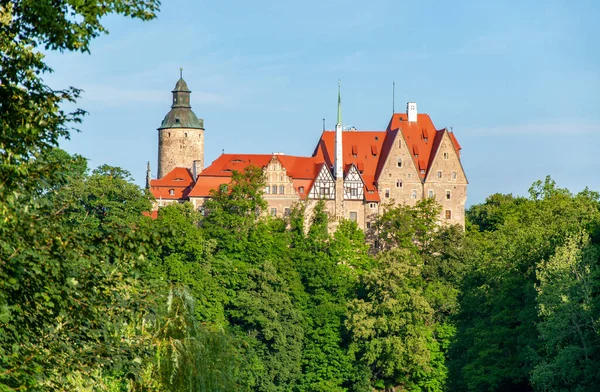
(267, 189)
(399, 162)
(448, 195)
(281, 189)
(399, 143)
(387, 193)
(301, 190)
(274, 189)
(413, 194)
(446, 155)
(448, 214)
(439, 174)
(454, 175)
(273, 211)
(430, 193)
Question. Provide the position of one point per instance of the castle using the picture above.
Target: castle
(355, 172)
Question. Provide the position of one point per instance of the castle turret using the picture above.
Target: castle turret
(181, 134)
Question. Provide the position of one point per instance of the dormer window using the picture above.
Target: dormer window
(422, 171)
(171, 192)
(301, 190)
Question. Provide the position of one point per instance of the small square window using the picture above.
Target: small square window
(353, 216)
(446, 155)
(286, 211)
(430, 193)
(372, 205)
(448, 195)
(301, 190)
(172, 192)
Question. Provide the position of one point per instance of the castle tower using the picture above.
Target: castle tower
(181, 134)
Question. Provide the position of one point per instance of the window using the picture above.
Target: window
(409, 175)
(399, 162)
(448, 214)
(274, 189)
(430, 193)
(454, 175)
(171, 192)
(448, 195)
(354, 192)
(422, 171)
(281, 189)
(387, 193)
(324, 191)
(281, 178)
(439, 174)
(446, 155)
(353, 216)
(267, 189)
(399, 143)
(286, 211)
(368, 225)
(301, 190)
(273, 211)
(398, 183)
(373, 205)
(413, 194)
(185, 134)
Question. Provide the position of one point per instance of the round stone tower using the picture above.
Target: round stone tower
(181, 135)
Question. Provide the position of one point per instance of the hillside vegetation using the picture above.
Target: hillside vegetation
(95, 296)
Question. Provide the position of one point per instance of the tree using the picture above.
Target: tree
(392, 326)
(569, 322)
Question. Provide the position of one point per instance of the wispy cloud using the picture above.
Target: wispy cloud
(553, 128)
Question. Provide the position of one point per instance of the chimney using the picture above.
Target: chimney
(411, 111)
(196, 169)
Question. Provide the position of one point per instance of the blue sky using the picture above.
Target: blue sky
(518, 81)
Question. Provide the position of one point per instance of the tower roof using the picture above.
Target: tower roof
(181, 114)
(181, 86)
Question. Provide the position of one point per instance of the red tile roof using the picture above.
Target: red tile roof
(178, 180)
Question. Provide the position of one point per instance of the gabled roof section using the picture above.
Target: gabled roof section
(421, 137)
(360, 148)
(175, 185)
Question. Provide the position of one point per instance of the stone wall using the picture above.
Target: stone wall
(179, 147)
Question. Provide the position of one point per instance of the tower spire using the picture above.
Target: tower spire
(339, 164)
(339, 110)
